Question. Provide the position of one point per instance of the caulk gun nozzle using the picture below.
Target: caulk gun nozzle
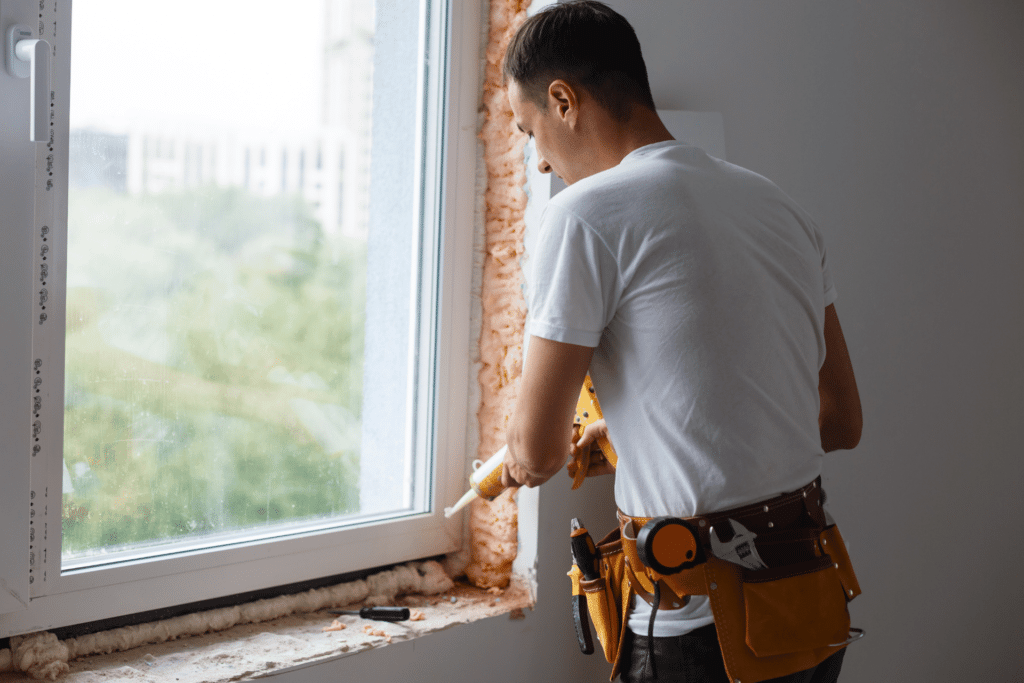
(463, 502)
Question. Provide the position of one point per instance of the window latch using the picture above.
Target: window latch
(29, 57)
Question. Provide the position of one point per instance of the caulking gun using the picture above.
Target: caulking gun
(485, 482)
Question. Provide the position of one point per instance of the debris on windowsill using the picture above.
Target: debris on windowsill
(379, 632)
(335, 626)
(297, 640)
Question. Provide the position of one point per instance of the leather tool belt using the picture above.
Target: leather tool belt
(786, 616)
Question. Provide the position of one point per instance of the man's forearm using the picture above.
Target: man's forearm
(539, 439)
(834, 437)
(538, 461)
(839, 425)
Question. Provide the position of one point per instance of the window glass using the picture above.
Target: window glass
(218, 223)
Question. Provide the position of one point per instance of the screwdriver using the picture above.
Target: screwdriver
(376, 613)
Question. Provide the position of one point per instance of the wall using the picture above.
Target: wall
(900, 127)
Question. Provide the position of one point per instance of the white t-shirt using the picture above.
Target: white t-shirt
(703, 289)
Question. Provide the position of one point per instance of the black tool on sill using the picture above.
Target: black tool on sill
(376, 613)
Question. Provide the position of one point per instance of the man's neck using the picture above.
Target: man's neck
(616, 139)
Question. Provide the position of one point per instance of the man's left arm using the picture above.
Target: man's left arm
(539, 435)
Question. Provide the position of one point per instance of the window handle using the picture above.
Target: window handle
(29, 57)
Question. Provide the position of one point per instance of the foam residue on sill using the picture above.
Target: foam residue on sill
(262, 637)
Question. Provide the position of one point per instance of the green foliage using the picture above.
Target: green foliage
(214, 366)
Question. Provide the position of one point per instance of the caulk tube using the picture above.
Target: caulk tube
(485, 482)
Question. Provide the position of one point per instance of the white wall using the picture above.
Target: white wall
(900, 127)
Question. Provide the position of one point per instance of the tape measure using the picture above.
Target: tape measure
(669, 545)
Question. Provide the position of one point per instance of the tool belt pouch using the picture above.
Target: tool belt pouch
(605, 595)
(832, 543)
(795, 608)
(777, 621)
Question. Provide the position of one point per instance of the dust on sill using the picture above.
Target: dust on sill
(265, 649)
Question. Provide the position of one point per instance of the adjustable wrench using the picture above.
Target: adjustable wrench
(739, 549)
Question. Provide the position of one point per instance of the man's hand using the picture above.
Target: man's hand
(515, 474)
(587, 444)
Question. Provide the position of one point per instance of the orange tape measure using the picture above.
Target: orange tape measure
(669, 545)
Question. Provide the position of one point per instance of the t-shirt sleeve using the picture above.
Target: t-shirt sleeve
(830, 287)
(574, 280)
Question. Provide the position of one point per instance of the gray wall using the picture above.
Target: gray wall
(900, 128)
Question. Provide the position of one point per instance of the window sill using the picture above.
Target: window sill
(293, 642)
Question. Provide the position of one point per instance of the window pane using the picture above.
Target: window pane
(217, 269)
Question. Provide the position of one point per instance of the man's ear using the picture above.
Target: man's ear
(565, 101)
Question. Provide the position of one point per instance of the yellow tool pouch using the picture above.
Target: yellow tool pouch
(794, 608)
(778, 621)
(832, 544)
(607, 596)
(771, 622)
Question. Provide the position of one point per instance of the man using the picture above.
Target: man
(696, 294)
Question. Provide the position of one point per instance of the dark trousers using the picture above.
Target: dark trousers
(696, 657)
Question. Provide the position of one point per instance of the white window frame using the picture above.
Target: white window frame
(34, 593)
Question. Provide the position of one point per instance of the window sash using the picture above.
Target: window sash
(438, 404)
(16, 229)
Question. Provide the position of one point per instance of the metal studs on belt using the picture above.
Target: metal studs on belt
(714, 586)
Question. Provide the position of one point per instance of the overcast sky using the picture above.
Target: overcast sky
(198, 63)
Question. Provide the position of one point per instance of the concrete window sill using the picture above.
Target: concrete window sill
(250, 651)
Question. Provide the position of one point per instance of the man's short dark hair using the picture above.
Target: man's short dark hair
(588, 45)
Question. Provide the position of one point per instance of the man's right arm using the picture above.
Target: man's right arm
(839, 420)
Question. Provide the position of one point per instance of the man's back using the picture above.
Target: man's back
(704, 289)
